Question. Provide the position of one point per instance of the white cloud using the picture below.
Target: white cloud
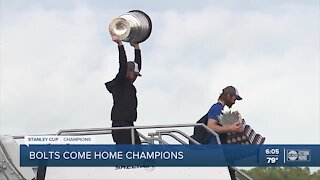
(54, 63)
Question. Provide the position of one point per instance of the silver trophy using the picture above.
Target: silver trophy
(133, 26)
(247, 136)
(229, 117)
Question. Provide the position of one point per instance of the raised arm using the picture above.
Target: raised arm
(122, 65)
(137, 54)
(122, 59)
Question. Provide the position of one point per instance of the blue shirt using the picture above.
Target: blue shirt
(214, 113)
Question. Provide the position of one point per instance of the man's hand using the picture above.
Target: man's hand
(236, 127)
(116, 39)
(135, 45)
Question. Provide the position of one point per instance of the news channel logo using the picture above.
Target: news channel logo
(298, 154)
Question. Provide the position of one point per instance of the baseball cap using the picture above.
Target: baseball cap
(232, 90)
(133, 66)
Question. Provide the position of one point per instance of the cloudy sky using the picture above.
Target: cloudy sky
(57, 55)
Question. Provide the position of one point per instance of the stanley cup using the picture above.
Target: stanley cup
(133, 26)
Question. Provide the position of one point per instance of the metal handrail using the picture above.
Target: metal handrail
(160, 140)
(144, 138)
(174, 137)
(179, 132)
(94, 131)
(241, 173)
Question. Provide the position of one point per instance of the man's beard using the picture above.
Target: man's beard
(229, 104)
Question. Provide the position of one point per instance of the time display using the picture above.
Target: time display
(272, 151)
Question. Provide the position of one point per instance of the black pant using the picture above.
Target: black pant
(124, 136)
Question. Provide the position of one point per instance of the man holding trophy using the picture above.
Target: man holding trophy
(230, 126)
(133, 27)
(228, 97)
(124, 110)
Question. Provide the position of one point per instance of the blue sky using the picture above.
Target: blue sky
(56, 56)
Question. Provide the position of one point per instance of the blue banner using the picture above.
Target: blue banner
(170, 155)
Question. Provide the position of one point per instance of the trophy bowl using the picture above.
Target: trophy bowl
(133, 26)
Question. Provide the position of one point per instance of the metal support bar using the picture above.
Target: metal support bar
(179, 132)
(148, 140)
(241, 173)
(97, 131)
(132, 136)
(160, 140)
(94, 131)
(175, 137)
